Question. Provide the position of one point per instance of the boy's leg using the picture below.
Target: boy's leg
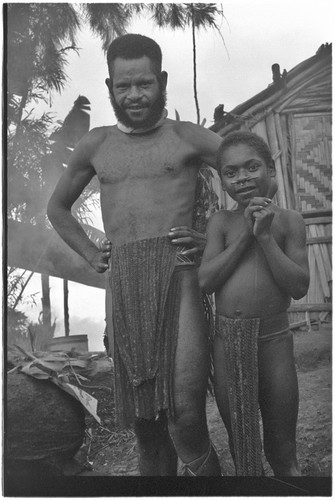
(221, 391)
(279, 401)
(157, 456)
(188, 428)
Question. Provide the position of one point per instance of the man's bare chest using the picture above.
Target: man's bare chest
(135, 158)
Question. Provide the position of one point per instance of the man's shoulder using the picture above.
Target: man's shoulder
(100, 133)
(96, 136)
(187, 129)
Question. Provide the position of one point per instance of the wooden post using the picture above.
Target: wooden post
(66, 308)
(46, 308)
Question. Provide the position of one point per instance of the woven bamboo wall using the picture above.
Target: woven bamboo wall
(312, 161)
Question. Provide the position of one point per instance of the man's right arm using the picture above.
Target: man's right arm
(75, 178)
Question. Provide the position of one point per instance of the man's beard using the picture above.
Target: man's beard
(155, 112)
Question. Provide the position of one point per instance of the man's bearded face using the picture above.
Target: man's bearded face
(136, 92)
(156, 111)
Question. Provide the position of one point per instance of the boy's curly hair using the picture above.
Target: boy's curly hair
(248, 138)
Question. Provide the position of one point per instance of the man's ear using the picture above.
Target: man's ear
(109, 84)
(164, 79)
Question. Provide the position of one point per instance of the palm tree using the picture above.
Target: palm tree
(178, 16)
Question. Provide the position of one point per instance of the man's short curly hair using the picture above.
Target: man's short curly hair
(133, 46)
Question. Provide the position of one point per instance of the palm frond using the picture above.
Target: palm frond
(107, 20)
(204, 15)
(56, 22)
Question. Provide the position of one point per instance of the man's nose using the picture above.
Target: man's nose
(134, 93)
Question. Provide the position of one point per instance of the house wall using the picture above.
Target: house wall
(311, 161)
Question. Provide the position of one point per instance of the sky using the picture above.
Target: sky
(256, 34)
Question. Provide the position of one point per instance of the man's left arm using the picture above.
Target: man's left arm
(203, 142)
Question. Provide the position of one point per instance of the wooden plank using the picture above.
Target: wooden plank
(312, 271)
(287, 148)
(319, 239)
(292, 133)
(303, 113)
(274, 146)
(284, 160)
(318, 232)
(327, 306)
(321, 269)
(317, 213)
(320, 109)
(298, 324)
(318, 220)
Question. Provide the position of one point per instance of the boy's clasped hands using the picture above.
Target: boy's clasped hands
(259, 215)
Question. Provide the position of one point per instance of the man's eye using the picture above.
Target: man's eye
(230, 173)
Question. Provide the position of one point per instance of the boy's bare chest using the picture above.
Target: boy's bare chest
(235, 229)
(140, 157)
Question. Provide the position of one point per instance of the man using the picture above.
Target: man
(147, 166)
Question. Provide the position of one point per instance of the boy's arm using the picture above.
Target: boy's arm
(289, 267)
(68, 189)
(218, 262)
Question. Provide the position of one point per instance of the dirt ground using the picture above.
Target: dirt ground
(110, 453)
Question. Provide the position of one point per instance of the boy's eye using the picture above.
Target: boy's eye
(253, 167)
(230, 173)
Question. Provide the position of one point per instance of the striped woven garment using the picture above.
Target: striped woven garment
(240, 341)
(145, 301)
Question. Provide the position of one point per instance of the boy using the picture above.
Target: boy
(255, 261)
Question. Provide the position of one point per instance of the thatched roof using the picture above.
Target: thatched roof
(306, 87)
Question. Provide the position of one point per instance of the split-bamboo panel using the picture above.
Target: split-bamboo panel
(317, 304)
(312, 161)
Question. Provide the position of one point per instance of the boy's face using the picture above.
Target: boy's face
(245, 174)
(136, 91)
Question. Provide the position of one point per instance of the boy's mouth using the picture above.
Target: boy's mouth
(244, 189)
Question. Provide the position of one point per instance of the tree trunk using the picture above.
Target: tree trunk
(66, 308)
(195, 69)
(46, 308)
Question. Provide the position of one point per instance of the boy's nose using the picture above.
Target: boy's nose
(242, 178)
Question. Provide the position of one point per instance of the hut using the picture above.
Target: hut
(293, 114)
